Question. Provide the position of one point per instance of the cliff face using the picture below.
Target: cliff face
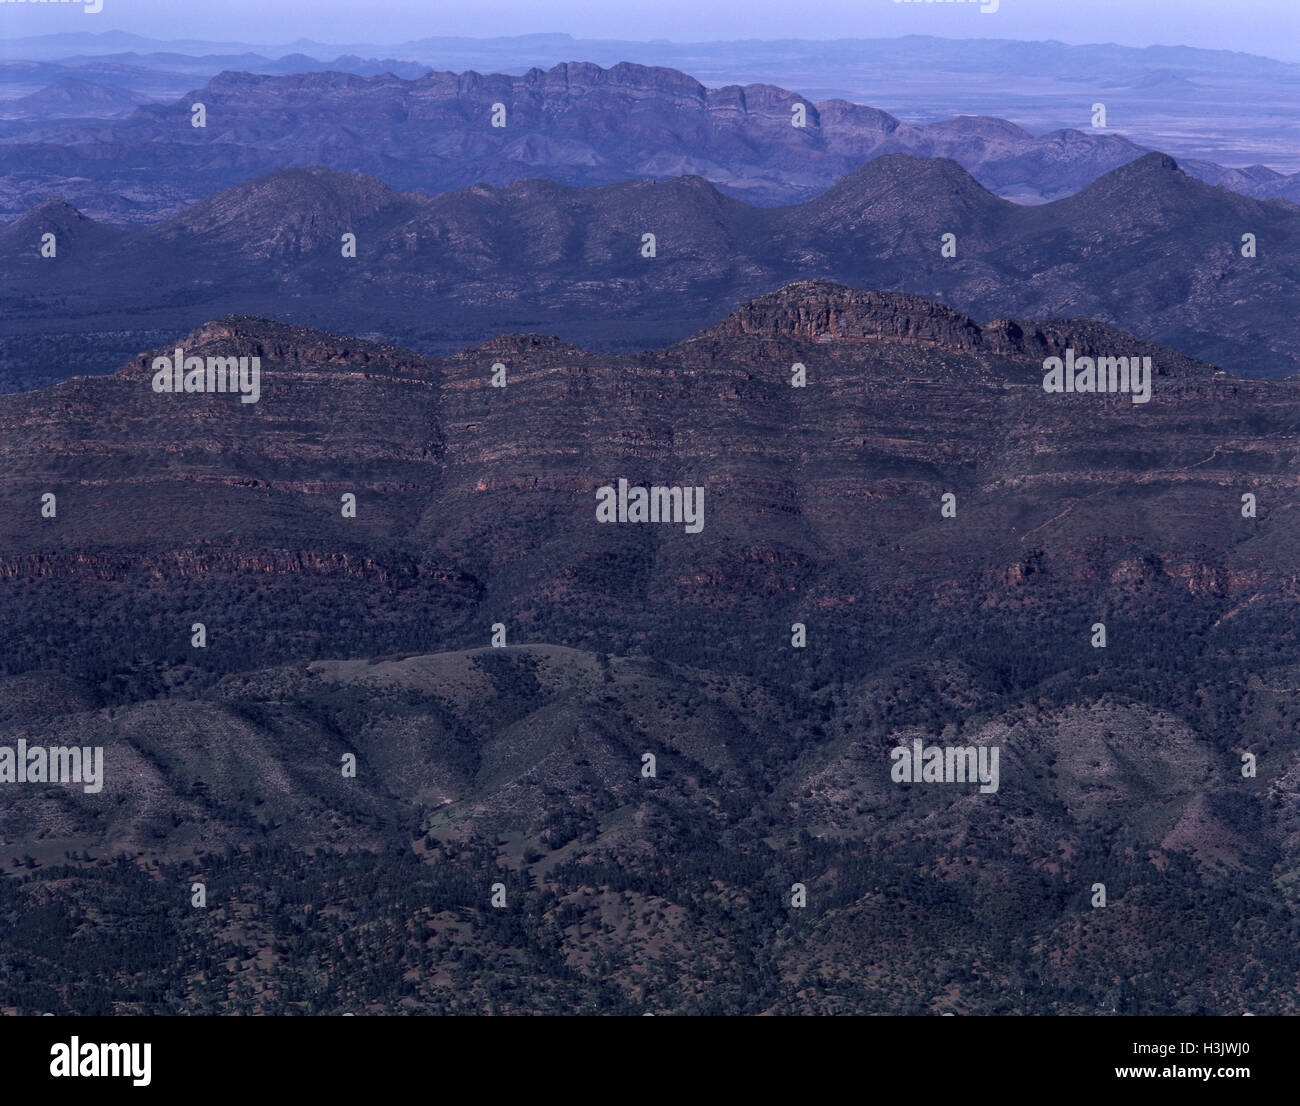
(823, 312)
(576, 122)
(817, 311)
(828, 494)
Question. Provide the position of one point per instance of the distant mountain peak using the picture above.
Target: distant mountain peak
(910, 171)
(287, 210)
(57, 207)
(1152, 168)
(1151, 177)
(1152, 162)
(77, 95)
(53, 214)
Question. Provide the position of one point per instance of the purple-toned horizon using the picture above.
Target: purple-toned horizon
(1270, 28)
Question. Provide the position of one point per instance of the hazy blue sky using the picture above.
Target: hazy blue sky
(1270, 27)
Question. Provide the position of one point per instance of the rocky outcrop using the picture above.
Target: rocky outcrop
(827, 495)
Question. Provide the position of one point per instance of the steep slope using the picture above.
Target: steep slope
(468, 487)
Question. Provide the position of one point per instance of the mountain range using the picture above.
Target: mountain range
(1145, 247)
(382, 660)
(575, 123)
(329, 635)
(1221, 106)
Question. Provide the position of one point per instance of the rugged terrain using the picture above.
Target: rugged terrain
(1146, 247)
(575, 123)
(521, 765)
